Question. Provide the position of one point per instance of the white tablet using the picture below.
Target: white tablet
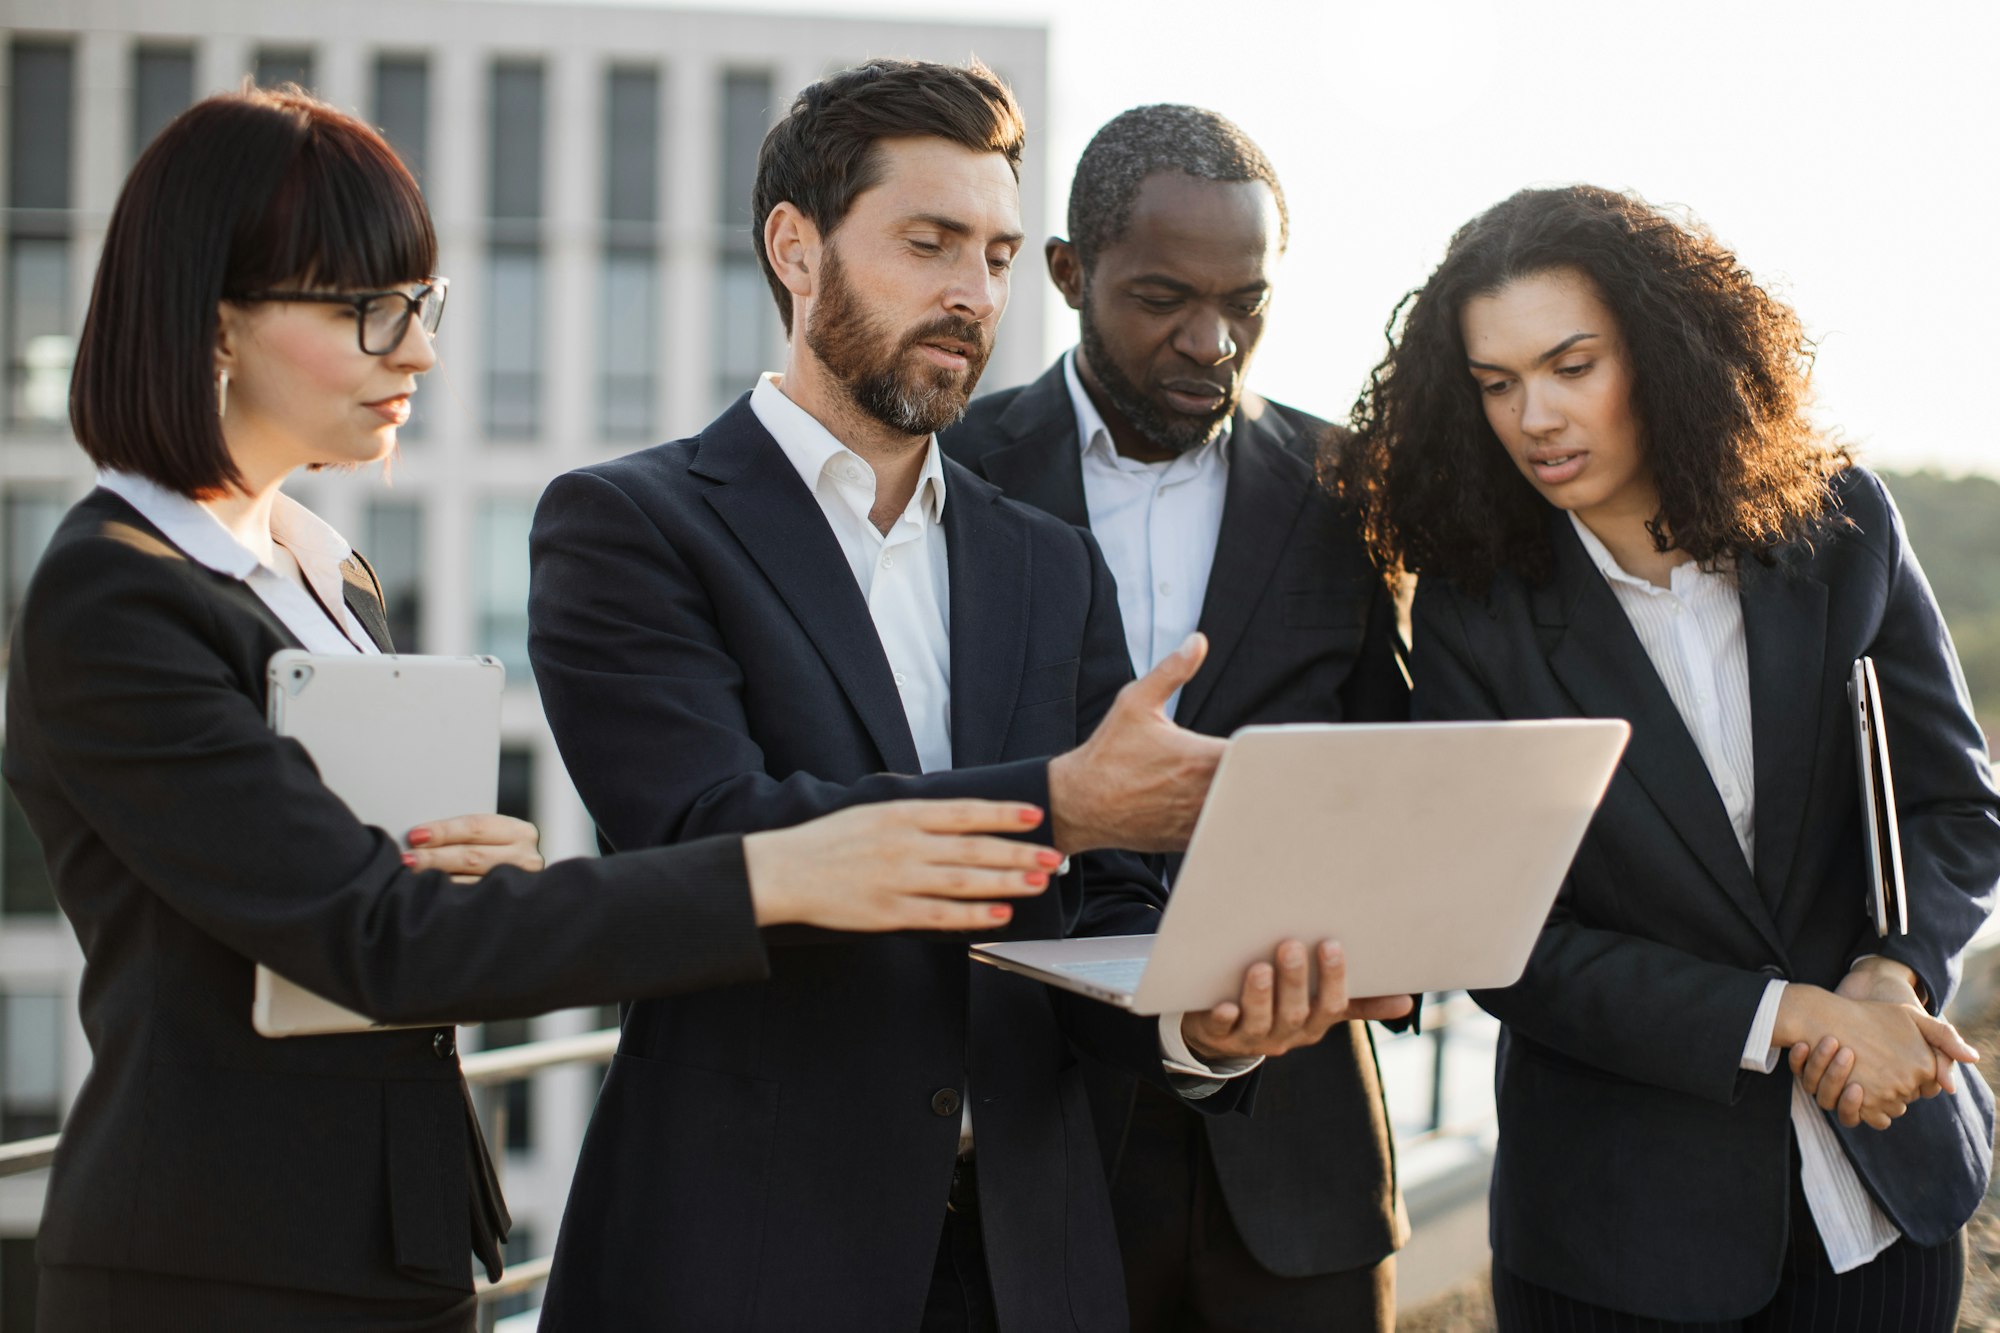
(401, 740)
(1431, 850)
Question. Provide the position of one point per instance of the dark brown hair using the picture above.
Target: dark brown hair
(821, 155)
(1719, 387)
(243, 191)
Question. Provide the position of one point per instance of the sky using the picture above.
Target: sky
(1848, 153)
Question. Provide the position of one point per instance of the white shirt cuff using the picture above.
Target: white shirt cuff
(1195, 1077)
(1759, 1056)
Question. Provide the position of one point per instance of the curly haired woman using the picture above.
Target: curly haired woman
(1724, 1101)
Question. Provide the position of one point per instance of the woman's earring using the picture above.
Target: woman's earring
(221, 393)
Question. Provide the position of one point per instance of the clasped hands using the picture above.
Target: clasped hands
(1868, 1048)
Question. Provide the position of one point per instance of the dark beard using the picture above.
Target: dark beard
(877, 369)
(1175, 432)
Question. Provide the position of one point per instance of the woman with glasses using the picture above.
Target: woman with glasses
(265, 302)
(1725, 1101)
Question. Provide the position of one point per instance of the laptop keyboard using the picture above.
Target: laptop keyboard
(1120, 974)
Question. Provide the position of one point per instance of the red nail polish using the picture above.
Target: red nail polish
(1037, 880)
(1030, 815)
(1050, 858)
(1000, 911)
(419, 836)
(409, 860)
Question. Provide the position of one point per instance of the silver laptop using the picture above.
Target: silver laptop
(1431, 850)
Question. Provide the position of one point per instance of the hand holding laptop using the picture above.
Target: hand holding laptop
(1284, 1005)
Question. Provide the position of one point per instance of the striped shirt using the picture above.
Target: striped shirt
(1692, 630)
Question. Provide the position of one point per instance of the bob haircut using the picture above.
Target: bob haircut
(1719, 388)
(822, 153)
(241, 192)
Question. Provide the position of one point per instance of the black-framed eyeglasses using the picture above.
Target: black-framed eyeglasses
(381, 319)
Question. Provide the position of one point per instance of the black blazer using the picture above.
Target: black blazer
(1639, 1167)
(777, 1155)
(1300, 629)
(185, 840)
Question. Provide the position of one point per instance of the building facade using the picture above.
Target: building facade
(589, 170)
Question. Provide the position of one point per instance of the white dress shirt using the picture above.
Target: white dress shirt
(1157, 524)
(317, 548)
(1693, 632)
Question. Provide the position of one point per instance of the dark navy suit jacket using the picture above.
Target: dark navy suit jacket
(1639, 1166)
(1300, 629)
(777, 1156)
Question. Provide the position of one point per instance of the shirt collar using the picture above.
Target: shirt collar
(1092, 435)
(811, 448)
(1688, 574)
(188, 524)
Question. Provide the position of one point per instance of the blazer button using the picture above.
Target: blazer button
(442, 1044)
(946, 1101)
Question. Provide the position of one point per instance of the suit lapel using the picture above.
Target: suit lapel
(1784, 629)
(363, 595)
(1040, 462)
(991, 583)
(770, 511)
(1259, 510)
(1601, 663)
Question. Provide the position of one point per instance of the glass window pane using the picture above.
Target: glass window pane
(513, 336)
(162, 88)
(284, 64)
(402, 108)
(515, 168)
(393, 534)
(628, 345)
(746, 115)
(28, 521)
(30, 1065)
(632, 146)
(40, 121)
(40, 343)
(25, 889)
(501, 557)
(746, 329)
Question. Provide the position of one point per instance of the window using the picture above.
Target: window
(513, 341)
(25, 888)
(517, 782)
(394, 544)
(277, 65)
(514, 253)
(746, 320)
(402, 109)
(515, 1097)
(41, 345)
(28, 519)
(162, 88)
(628, 338)
(501, 557)
(521, 1247)
(31, 1032)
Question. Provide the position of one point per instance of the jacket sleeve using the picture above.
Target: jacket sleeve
(1947, 812)
(138, 719)
(1635, 1007)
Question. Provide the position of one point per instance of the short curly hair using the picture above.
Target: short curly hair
(1720, 372)
(1147, 139)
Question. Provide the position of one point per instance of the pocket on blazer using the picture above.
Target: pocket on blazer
(1339, 607)
(1054, 682)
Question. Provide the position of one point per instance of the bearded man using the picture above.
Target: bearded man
(807, 607)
